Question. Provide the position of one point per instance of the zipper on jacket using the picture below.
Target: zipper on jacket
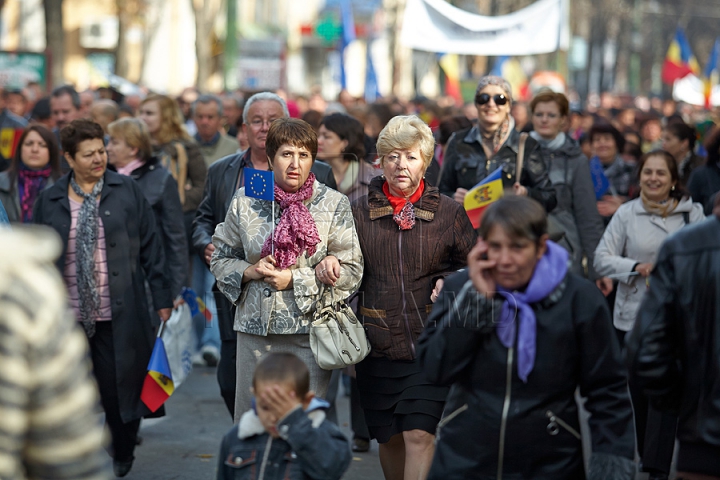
(402, 294)
(553, 429)
(505, 412)
(266, 455)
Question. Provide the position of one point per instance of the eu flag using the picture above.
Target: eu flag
(600, 181)
(259, 184)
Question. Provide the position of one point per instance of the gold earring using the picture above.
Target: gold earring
(673, 188)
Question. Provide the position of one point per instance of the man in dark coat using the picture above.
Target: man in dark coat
(224, 178)
(673, 348)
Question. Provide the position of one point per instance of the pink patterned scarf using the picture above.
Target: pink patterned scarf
(296, 231)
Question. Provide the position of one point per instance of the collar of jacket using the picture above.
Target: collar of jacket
(556, 294)
(150, 165)
(379, 205)
(60, 189)
(512, 141)
(251, 426)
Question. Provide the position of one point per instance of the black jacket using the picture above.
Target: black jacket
(466, 164)
(161, 191)
(576, 346)
(222, 179)
(704, 183)
(134, 253)
(672, 351)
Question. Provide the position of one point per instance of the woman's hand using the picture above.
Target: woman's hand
(253, 271)
(605, 285)
(436, 291)
(609, 205)
(209, 249)
(644, 269)
(459, 195)
(273, 276)
(519, 190)
(479, 268)
(328, 270)
(164, 314)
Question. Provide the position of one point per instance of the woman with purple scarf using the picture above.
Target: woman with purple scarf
(515, 335)
(35, 167)
(275, 280)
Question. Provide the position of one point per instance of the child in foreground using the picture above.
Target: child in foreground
(285, 434)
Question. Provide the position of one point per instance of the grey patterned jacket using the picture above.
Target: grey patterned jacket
(262, 310)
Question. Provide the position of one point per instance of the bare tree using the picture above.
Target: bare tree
(55, 38)
(205, 12)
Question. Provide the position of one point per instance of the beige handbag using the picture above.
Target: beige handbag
(337, 338)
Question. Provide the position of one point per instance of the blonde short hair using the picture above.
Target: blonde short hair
(405, 132)
(135, 133)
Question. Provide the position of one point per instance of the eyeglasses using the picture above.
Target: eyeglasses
(499, 99)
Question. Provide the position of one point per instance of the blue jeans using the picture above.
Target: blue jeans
(208, 332)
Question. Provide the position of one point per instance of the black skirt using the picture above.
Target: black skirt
(397, 397)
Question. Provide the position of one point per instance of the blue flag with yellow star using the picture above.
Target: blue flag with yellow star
(259, 184)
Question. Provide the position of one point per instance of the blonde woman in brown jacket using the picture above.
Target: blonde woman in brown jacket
(411, 237)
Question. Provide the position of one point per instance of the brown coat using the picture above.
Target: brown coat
(401, 266)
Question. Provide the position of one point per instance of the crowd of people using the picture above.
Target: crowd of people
(482, 339)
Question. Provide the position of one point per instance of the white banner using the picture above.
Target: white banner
(437, 26)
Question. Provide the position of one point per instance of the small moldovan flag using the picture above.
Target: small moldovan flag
(158, 384)
(259, 184)
(679, 59)
(482, 195)
(195, 303)
(601, 184)
(9, 138)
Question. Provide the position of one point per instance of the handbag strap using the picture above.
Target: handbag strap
(520, 157)
(321, 296)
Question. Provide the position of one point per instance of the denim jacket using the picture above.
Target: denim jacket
(309, 447)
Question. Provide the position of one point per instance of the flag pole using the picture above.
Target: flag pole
(272, 232)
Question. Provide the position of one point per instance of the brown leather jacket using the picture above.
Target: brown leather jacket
(401, 266)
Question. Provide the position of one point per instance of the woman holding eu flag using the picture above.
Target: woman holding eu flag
(283, 239)
(493, 143)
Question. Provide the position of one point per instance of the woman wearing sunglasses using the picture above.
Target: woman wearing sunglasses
(475, 153)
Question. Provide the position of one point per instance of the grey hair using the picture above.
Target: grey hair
(264, 96)
(209, 98)
(495, 80)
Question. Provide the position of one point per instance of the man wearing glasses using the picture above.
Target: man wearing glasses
(473, 154)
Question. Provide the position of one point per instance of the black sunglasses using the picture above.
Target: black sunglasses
(499, 99)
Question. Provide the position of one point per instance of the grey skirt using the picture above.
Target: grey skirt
(251, 348)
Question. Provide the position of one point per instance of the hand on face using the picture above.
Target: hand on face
(273, 402)
(404, 170)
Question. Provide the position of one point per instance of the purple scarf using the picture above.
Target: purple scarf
(296, 231)
(30, 184)
(549, 272)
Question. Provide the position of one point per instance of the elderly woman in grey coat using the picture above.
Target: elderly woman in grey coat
(628, 249)
(276, 281)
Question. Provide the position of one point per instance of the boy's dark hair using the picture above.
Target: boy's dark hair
(284, 367)
(79, 131)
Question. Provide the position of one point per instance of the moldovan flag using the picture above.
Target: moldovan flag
(482, 195)
(711, 73)
(679, 60)
(158, 384)
(450, 64)
(9, 138)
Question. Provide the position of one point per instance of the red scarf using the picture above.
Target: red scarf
(403, 211)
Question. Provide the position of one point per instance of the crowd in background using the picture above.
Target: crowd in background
(615, 179)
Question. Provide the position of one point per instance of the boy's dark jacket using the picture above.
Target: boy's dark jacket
(309, 447)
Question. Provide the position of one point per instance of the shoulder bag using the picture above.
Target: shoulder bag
(337, 338)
